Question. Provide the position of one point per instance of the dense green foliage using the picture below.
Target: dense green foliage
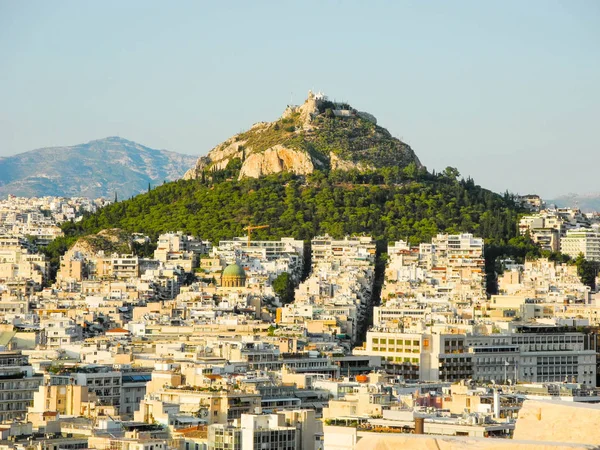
(284, 287)
(356, 139)
(587, 270)
(387, 204)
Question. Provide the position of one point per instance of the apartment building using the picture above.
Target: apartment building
(59, 330)
(224, 437)
(267, 432)
(180, 249)
(18, 383)
(535, 354)
(123, 389)
(343, 251)
(214, 405)
(582, 240)
(258, 432)
(545, 229)
(272, 249)
(419, 355)
(68, 400)
(530, 353)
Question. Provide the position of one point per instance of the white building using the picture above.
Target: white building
(267, 432)
(533, 354)
(325, 248)
(582, 240)
(59, 331)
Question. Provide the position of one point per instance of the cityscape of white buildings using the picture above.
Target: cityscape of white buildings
(566, 230)
(194, 347)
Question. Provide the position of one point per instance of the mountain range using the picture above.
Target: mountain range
(586, 202)
(98, 168)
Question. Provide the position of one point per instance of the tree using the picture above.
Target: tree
(451, 172)
(587, 270)
(410, 171)
(284, 288)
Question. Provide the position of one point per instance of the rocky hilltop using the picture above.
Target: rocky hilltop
(319, 134)
(96, 169)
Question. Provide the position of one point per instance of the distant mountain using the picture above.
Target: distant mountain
(96, 169)
(586, 202)
(319, 134)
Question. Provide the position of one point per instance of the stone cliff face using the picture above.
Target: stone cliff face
(274, 160)
(319, 134)
(109, 241)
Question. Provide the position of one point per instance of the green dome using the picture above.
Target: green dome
(234, 270)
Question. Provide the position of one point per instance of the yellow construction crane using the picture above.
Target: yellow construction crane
(255, 227)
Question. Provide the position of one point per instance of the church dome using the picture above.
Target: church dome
(234, 270)
(233, 276)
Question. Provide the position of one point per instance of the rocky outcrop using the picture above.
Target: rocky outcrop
(317, 134)
(113, 240)
(276, 159)
(218, 157)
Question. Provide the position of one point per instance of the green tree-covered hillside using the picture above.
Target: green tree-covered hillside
(389, 204)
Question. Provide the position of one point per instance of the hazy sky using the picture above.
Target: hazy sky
(506, 91)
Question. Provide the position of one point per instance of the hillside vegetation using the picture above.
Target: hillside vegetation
(389, 204)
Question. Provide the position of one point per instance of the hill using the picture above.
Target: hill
(321, 168)
(96, 169)
(318, 135)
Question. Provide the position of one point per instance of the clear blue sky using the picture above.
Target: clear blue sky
(506, 91)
